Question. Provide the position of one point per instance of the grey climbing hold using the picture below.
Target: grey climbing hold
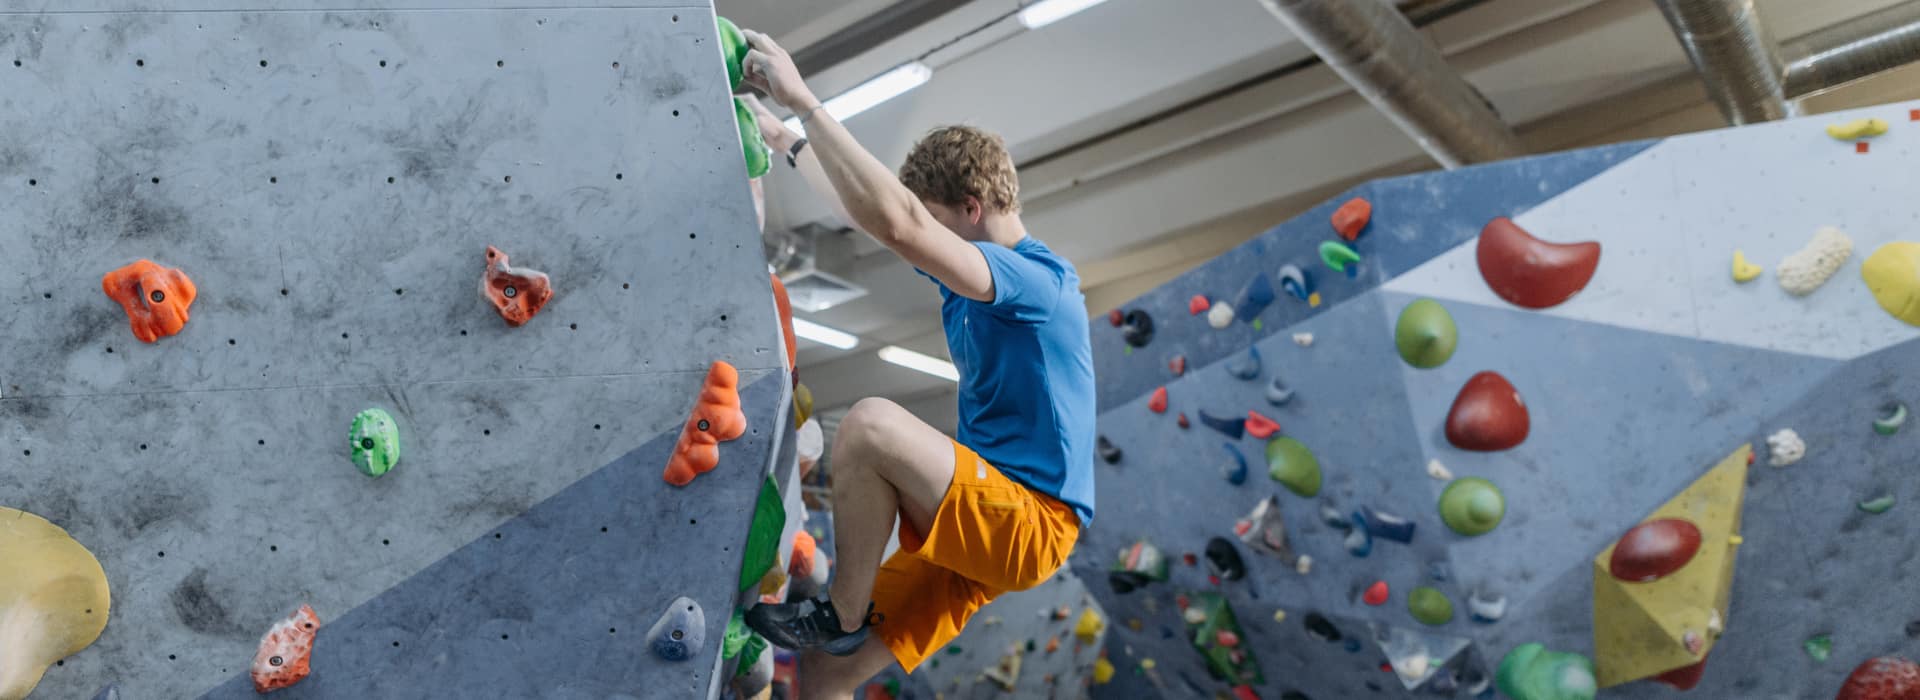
(1384, 525)
(681, 632)
(1485, 607)
(111, 692)
(1108, 453)
(1277, 393)
(1234, 469)
(1439, 571)
(1246, 366)
(1359, 543)
(1264, 531)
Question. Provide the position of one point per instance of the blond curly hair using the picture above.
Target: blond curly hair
(952, 163)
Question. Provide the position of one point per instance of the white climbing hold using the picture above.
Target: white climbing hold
(1194, 615)
(1438, 471)
(1303, 339)
(1714, 624)
(1807, 268)
(1304, 565)
(1221, 315)
(809, 444)
(1413, 668)
(1785, 447)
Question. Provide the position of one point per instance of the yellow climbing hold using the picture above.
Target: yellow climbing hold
(1279, 616)
(1146, 664)
(1892, 272)
(1313, 300)
(1089, 626)
(1736, 540)
(53, 599)
(1102, 671)
(1744, 271)
(1858, 129)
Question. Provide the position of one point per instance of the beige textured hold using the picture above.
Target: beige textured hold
(54, 599)
(1809, 267)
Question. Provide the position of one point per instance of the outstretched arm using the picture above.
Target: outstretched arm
(781, 140)
(873, 198)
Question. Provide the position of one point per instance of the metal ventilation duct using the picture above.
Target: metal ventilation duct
(1371, 45)
(1734, 56)
(1854, 49)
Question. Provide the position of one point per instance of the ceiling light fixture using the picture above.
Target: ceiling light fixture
(1047, 12)
(830, 337)
(921, 363)
(867, 95)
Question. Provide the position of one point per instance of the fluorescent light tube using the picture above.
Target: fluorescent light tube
(918, 362)
(830, 337)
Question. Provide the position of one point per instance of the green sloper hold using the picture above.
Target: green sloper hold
(1339, 256)
(1430, 606)
(763, 539)
(736, 636)
(375, 441)
(1292, 464)
(1425, 334)
(752, 144)
(1531, 672)
(733, 50)
(1472, 506)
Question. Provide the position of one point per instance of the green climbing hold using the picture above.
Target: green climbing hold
(733, 50)
(763, 538)
(736, 636)
(1425, 334)
(953, 650)
(375, 441)
(759, 159)
(1292, 464)
(1472, 506)
(1531, 672)
(1891, 422)
(1878, 505)
(1339, 257)
(1819, 647)
(1430, 606)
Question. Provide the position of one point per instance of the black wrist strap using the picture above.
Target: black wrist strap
(793, 152)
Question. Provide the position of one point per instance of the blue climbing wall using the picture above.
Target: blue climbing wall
(1636, 386)
(329, 174)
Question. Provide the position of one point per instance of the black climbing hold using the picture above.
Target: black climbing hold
(1253, 298)
(1294, 695)
(1165, 632)
(1108, 453)
(1444, 683)
(1246, 365)
(1318, 627)
(1223, 559)
(1277, 393)
(1913, 629)
(680, 633)
(1231, 427)
(1136, 327)
(1235, 466)
(1384, 525)
(1375, 687)
(1124, 582)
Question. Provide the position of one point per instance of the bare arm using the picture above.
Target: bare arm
(873, 199)
(781, 141)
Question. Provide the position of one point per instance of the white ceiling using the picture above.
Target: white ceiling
(1154, 134)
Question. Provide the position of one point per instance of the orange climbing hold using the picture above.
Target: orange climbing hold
(1351, 218)
(1261, 426)
(716, 418)
(785, 307)
(155, 298)
(1376, 594)
(804, 550)
(517, 294)
(285, 653)
(1158, 404)
(1198, 304)
(1178, 364)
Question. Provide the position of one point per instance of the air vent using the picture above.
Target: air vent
(812, 291)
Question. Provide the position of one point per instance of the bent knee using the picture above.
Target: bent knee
(868, 424)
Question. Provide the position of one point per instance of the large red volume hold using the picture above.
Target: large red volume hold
(1530, 272)
(1685, 677)
(1488, 415)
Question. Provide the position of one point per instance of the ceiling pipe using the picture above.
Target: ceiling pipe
(873, 30)
(1398, 69)
(1854, 49)
(1734, 56)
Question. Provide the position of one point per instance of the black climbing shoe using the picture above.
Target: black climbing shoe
(809, 624)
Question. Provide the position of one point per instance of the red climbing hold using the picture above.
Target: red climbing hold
(1530, 272)
(1182, 421)
(517, 294)
(1883, 678)
(1861, 147)
(285, 653)
(1376, 594)
(716, 418)
(1190, 559)
(1244, 692)
(1226, 638)
(1178, 365)
(1913, 115)
(1685, 677)
(1158, 404)
(1352, 217)
(1488, 415)
(1116, 318)
(1653, 549)
(1261, 426)
(155, 298)
(1198, 304)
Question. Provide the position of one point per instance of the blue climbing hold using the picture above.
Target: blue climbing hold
(1246, 366)
(680, 633)
(1295, 282)
(1383, 525)
(1353, 645)
(1235, 468)
(1359, 543)
(1235, 428)
(1253, 298)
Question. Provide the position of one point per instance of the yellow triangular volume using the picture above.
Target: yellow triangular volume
(1642, 629)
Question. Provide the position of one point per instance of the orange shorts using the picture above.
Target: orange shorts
(991, 535)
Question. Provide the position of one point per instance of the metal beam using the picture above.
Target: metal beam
(1854, 49)
(1378, 52)
(1734, 56)
(896, 19)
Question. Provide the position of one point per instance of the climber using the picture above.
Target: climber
(1000, 507)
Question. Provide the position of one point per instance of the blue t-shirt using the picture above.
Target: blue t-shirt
(1026, 372)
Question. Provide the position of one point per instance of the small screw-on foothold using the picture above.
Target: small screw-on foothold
(1278, 393)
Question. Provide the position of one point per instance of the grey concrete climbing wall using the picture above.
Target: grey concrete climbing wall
(1636, 386)
(329, 174)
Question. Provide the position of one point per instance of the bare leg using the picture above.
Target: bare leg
(828, 677)
(886, 463)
